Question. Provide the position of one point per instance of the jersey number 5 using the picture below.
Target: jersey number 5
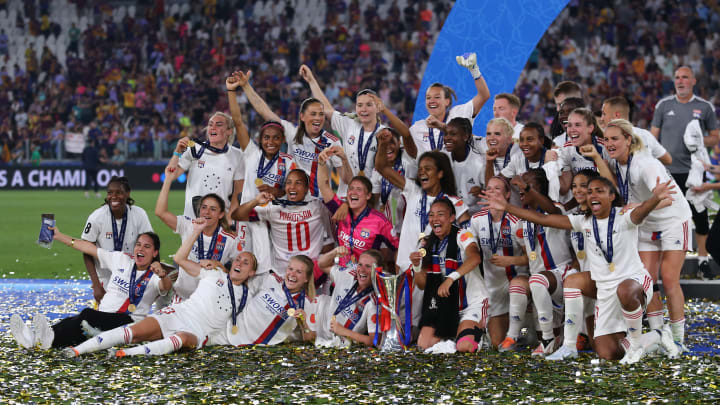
(302, 231)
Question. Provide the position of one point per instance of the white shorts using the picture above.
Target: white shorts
(476, 312)
(499, 299)
(674, 237)
(608, 311)
(171, 322)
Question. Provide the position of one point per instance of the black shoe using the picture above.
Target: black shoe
(704, 272)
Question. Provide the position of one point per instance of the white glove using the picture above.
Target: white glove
(469, 61)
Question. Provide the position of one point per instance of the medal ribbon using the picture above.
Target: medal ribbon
(235, 310)
(439, 248)
(285, 203)
(363, 150)
(609, 245)
(385, 186)
(495, 242)
(353, 223)
(206, 145)
(201, 252)
(531, 232)
(424, 214)
(506, 160)
(262, 169)
(319, 147)
(441, 136)
(542, 160)
(136, 290)
(348, 300)
(291, 301)
(624, 186)
(118, 239)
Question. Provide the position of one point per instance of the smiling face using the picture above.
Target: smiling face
(271, 140)
(314, 118)
(578, 130)
(497, 187)
(366, 264)
(436, 102)
(393, 146)
(358, 196)
(428, 174)
(144, 251)
(600, 198)
(440, 220)
(579, 189)
(218, 131)
(564, 113)
(617, 144)
(366, 109)
(454, 138)
(116, 197)
(243, 267)
(212, 211)
(530, 144)
(496, 138)
(296, 275)
(296, 186)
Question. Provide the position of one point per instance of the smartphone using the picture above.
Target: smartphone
(45, 239)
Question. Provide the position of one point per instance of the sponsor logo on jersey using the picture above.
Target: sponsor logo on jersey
(569, 322)
(108, 235)
(358, 243)
(305, 155)
(273, 177)
(272, 305)
(458, 203)
(503, 242)
(351, 140)
(471, 181)
(465, 236)
(201, 164)
(122, 283)
(670, 113)
(295, 216)
(373, 149)
(121, 270)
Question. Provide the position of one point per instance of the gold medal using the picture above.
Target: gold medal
(361, 173)
(581, 255)
(131, 308)
(422, 251)
(291, 312)
(611, 267)
(533, 256)
(190, 143)
(234, 330)
(259, 182)
(332, 319)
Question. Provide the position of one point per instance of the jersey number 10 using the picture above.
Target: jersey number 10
(301, 228)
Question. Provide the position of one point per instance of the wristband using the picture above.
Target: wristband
(416, 269)
(176, 153)
(454, 275)
(475, 72)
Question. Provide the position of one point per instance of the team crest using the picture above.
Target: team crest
(365, 233)
(220, 282)
(108, 235)
(351, 140)
(697, 114)
(201, 164)
(505, 231)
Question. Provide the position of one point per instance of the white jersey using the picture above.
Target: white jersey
(411, 223)
(500, 162)
(98, 229)
(211, 173)
(349, 131)
(275, 176)
(306, 153)
(569, 158)
(117, 296)
(650, 142)
(625, 254)
(392, 200)
(421, 133)
(265, 319)
(551, 247)
(225, 250)
(518, 165)
(468, 174)
(516, 131)
(294, 230)
(506, 245)
(577, 240)
(644, 171)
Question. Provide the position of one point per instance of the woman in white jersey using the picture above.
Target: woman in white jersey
(134, 285)
(498, 146)
(621, 284)
(468, 163)
(358, 134)
(349, 315)
(114, 226)
(455, 301)
(216, 243)
(428, 133)
(535, 148)
(390, 199)
(503, 257)
(221, 295)
(299, 224)
(306, 140)
(550, 261)
(582, 129)
(212, 165)
(664, 235)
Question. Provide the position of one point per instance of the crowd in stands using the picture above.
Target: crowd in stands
(137, 78)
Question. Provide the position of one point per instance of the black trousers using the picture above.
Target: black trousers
(91, 177)
(68, 331)
(713, 240)
(700, 218)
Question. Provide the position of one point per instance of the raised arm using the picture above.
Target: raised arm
(181, 256)
(84, 246)
(382, 165)
(317, 92)
(552, 220)
(327, 260)
(242, 213)
(257, 102)
(345, 172)
(469, 61)
(323, 175)
(602, 166)
(398, 125)
(543, 201)
(161, 205)
(662, 191)
(232, 83)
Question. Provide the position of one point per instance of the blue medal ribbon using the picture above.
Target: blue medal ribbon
(624, 184)
(424, 214)
(353, 223)
(495, 242)
(137, 290)
(201, 252)
(506, 160)
(531, 232)
(236, 310)
(348, 300)
(385, 186)
(291, 300)
(263, 169)
(118, 239)
(441, 137)
(206, 145)
(608, 252)
(438, 249)
(542, 160)
(286, 203)
(363, 150)
(581, 241)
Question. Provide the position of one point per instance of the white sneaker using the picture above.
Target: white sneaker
(21, 332)
(632, 355)
(70, 352)
(666, 340)
(88, 330)
(563, 353)
(681, 347)
(543, 350)
(44, 335)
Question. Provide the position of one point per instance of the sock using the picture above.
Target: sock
(156, 348)
(678, 330)
(625, 344)
(573, 315)
(518, 307)
(543, 304)
(702, 259)
(655, 319)
(649, 341)
(106, 340)
(633, 320)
